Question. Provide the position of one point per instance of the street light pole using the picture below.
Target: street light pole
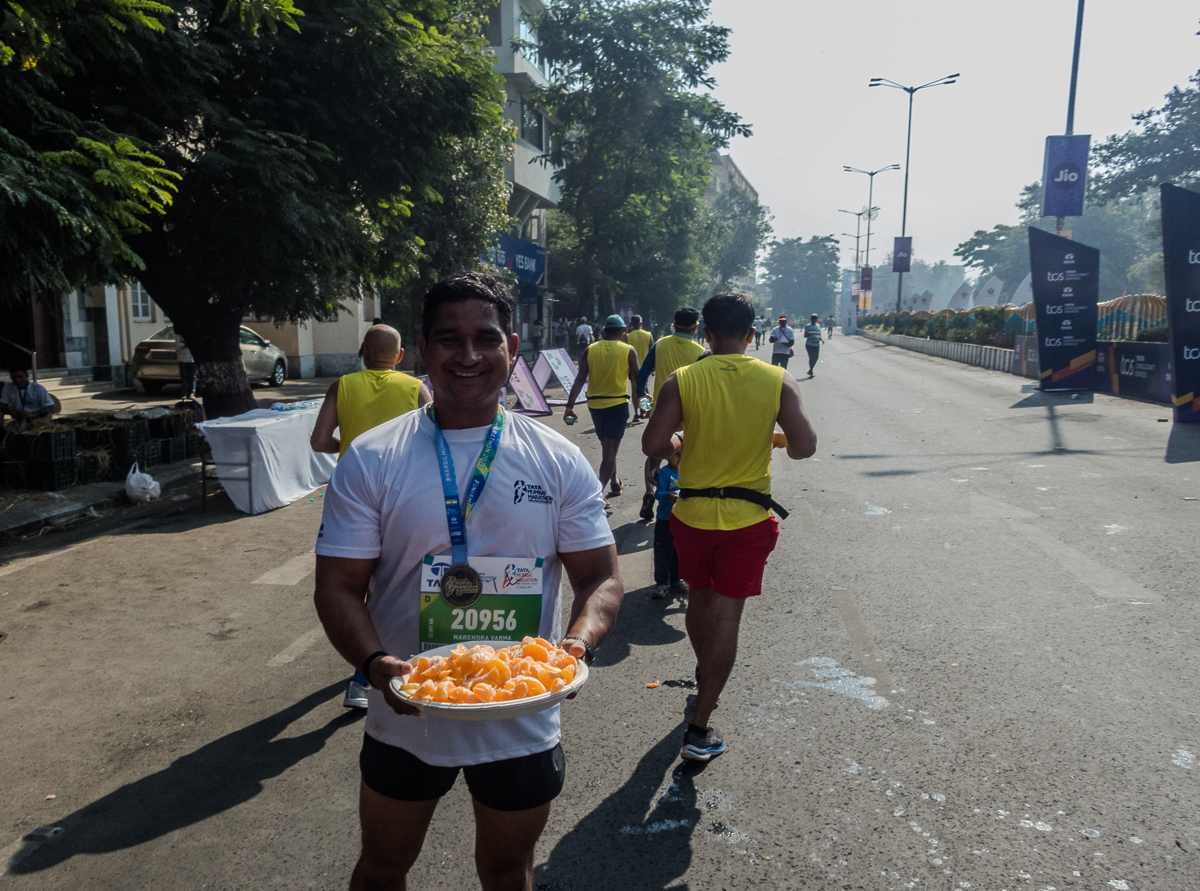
(858, 215)
(870, 200)
(884, 82)
(1059, 221)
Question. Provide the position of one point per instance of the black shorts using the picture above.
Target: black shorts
(514, 784)
(610, 423)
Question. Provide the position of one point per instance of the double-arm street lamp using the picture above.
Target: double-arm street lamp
(858, 215)
(912, 91)
(870, 200)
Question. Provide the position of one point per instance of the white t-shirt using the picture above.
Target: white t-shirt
(757, 326)
(35, 397)
(385, 501)
(782, 334)
(583, 332)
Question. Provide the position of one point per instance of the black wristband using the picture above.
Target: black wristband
(589, 654)
(366, 669)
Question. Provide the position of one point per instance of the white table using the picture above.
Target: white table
(263, 458)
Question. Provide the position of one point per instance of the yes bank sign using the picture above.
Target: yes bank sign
(1064, 175)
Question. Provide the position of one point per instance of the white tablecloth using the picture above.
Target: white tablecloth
(263, 457)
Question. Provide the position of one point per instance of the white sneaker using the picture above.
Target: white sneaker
(356, 695)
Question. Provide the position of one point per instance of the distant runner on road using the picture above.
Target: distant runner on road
(729, 404)
(830, 321)
(784, 339)
(666, 355)
(386, 512)
(812, 342)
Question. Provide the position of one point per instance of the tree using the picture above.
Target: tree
(740, 229)
(804, 275)
(304, 159)
(632, 136)
(1164, 147)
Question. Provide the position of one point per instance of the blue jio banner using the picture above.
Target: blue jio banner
(1064, 175)
(1181, 266)
(902, 254)
(1066, 285)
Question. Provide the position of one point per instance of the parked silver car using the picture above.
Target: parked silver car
(156, 364)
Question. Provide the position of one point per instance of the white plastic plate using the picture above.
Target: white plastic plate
(490, 711)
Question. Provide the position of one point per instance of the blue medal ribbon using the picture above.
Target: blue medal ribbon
(456, 517)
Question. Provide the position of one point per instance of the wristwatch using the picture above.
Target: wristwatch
(589, 654)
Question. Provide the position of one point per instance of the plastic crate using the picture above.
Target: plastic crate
(55, 475)
(57, 445)
(172, 425)
(173, 449)
(151, 454)
(192, 439)
(129, 436)
(122, 461)
(87, 469)
(16, 475)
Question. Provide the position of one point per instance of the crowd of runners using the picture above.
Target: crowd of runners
(393, 577)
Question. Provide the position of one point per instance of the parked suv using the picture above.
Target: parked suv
(156, 364)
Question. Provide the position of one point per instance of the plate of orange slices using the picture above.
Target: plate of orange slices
(490, 680)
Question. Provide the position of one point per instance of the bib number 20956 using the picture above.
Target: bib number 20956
(484, 620)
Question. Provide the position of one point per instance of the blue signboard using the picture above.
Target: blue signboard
(524, 258)
(1066, 286)
(902, 254)
(1181, 268)
(1064, 175)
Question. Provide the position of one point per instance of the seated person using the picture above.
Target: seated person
(26, 400)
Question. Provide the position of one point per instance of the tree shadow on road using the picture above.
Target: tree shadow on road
(215, 778)
(626, 844)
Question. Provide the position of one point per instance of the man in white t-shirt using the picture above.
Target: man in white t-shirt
(386, 528)
(583, 338)
(25, 400)
(783, 339)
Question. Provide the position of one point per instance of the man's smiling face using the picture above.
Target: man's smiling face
(468, 355)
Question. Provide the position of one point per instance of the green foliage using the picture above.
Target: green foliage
(1164, 147)
(253, 14)
(804, 275)
(739, 227)
(631, 134)
(1153, 335)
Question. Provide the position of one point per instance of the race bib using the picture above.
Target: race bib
(510, 607)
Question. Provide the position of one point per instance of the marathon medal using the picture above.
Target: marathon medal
(461, 585)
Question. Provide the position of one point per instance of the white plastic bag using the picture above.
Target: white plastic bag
(140, 486)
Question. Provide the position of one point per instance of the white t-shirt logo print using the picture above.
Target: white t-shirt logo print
(523, 491)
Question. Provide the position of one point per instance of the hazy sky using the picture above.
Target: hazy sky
(798, 74)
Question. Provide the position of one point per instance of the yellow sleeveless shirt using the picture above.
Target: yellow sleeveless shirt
(730, 404)
(640, 340)
(670, 354)
(367, 398)
(608, 373)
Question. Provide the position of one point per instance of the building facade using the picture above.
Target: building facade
(727, 175)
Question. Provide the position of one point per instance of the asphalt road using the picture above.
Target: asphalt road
(973, 665)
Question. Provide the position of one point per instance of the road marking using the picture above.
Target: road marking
(861, 640)
(293, 572)
(296, 648)
(1103, 581)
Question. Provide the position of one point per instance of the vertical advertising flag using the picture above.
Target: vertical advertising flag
(989, 294)
(1064, 175)
(1066, 285)
(902, 254)
(1024, 292)
(847, 284)
(1181, 266)
(961, 298)
(864, 280)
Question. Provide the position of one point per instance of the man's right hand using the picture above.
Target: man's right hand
(383, 670)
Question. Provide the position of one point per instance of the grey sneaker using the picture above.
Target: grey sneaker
(356, 695)
(697, 747)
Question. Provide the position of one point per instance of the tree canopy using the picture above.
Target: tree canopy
(803, 275)
(632, 134)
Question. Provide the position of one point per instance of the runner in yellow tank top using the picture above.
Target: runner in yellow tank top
(353, 405)
(608, 367)
(668, 354)
(729, 404)
(639, 338)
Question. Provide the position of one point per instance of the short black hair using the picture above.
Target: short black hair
(686, 317)
(635, 320)
(464, 286)
(814, 316)
(728, 315)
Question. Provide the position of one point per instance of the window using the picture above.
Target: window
(531, 125)
(248, 337)
(143, 311)
(529, 35)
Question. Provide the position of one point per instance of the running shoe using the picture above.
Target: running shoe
(701, 747)
(356, 695)
(659, 592)
(647, 507)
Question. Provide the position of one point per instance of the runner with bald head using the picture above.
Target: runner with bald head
(358, 402)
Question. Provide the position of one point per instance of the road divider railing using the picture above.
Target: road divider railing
(994, 358)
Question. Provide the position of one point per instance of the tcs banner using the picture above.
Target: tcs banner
(1181, 265)
(1066, 285)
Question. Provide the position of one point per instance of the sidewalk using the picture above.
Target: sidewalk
(25, 511)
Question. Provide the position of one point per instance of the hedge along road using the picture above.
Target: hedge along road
(973, 662)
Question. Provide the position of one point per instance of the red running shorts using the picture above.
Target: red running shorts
(730, 561)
